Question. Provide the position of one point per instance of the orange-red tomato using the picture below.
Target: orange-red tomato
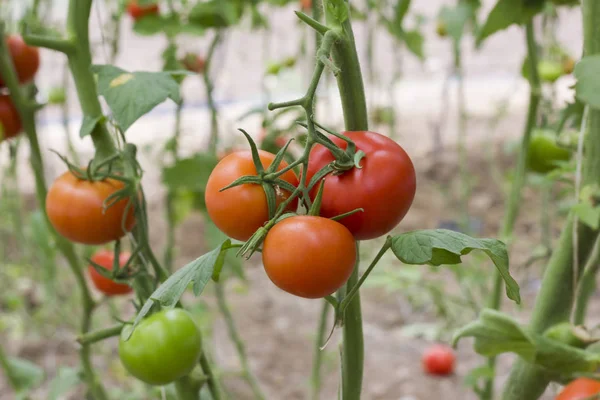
(439, 360)
(194, 63)
(384, 187)
(26, 59)
(105, 258)
(579, 389)
(305, 5)
(10, 120)
(75, 208)
(241, 210)
(137, 11)
(308, 256)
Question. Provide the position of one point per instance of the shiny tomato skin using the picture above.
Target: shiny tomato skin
(10, 120)
(439, 360)
(137, 11)
(579, 389)
(26, 59)
(384, 187)
(105, 258)
(241, 210)
(309, 256)
(163, 347)
(75, 209)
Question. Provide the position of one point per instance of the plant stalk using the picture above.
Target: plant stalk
(315, 380)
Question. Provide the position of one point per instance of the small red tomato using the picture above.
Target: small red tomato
(136, 11)
(26, 59)
(384, 187)
(10, 120)
(579, 389)
(305, 5)
(194, 63)
(438, 360)
(105, 258)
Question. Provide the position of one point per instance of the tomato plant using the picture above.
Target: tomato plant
(309, 256)
(106, 258)
(75, 208)
(26, 59)
(543, 153)
(241, 210)
(580, 389)
(439, 360)
(163, 348)
(10, 120)
(384, 186)
(137, 11)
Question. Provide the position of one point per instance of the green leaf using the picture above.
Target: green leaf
(400, 11)
(213, 237)
(440, 246)
(496, 333)
(338, 9)
(89, 124)
(588, 214)
(26, 374)
(216, 13)
(506, 13)
(455, 19)
(198, 271)
(65, 380)
(133, 94)
(588, 86)
(414, 42)
(190, 173)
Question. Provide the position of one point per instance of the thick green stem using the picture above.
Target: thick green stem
(234, 335)
(315, 380)
(514, 201)
(554, 302)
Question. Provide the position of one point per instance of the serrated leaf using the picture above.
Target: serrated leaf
(440, 246)
(587, 86)
(190, 173)
(338, 9)
(88, 125)
(130, 95)
(496, 333)
(26, 374)
(170, 291)
(65, 380)
(506, 13)
(414, 42)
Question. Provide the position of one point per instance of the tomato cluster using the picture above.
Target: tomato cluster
(313, 256)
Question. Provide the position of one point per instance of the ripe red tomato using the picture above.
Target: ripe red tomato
(438, 360)
(194, 63)
(105, 258)
(26, 59)
(163, 348)
(308, 256)
(10, 120)
(241, 210)
(384, 187)
(137, 11)
(579, 389)
(305, 5)
(75, 209)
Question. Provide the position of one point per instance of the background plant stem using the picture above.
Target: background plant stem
(315, 381)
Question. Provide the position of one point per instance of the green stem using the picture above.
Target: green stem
(66, 248)
(213, 383)
(65, 119)
(315, 380)
(214, 122)
(554, 302)
(514, 201)
(237, 341)
(99, 335)
(463, 154)
(354, 106)
(587, 284)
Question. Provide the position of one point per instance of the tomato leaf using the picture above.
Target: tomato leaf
(414, 42)
(198, 271)
(216, 13)
(587, 86)
(133, 94)
(455, 19)
(506, 13)
(440, 246)
(338, 9)
(65, 380)
(496, 333)
(88, 125)
(25, 374)
(400, 11)
(190, 173)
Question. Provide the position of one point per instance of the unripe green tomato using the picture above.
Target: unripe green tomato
(163, 348)
(543, 152)
(57, 95)
(273, 69)
(550, 71)
(441, 29)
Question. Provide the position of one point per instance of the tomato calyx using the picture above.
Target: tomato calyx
(118, 273)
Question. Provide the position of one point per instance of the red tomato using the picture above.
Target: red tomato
(305, 5)
(241, 210)
(105, 258)
(26, 59)
(10, 120)
(75, 208)
(384, 187)
(194, 63)
(438, 360)
(308, 256)
(579, 389)
(136, 11)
